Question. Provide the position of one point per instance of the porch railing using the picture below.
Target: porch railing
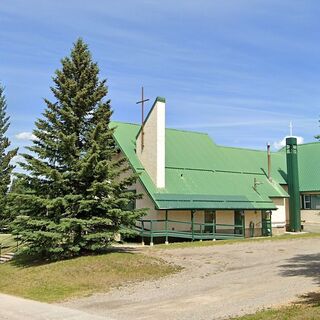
(153, 228)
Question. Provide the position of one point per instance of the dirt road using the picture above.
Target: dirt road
(217, 282)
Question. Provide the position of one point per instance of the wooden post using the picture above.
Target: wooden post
(142, 232)
(192, 223)
(243, 224)
(214, 229)
(166, 224)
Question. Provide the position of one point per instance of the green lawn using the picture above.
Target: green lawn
(287, 313)
(307, 308)
(187, 244)
(77, 277)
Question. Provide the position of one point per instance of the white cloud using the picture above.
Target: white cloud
(16, 159)
(281, 143)
(25, 136)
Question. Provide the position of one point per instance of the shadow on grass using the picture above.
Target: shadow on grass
(24, 260)
(311, 299)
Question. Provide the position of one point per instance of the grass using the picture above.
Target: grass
(285, 313)
(181, 245)
(308, 308)
(7, 242)
(81, 276)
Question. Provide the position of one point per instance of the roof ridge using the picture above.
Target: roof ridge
(308, 143)
(246, 149)
(171, 129)
(124, 122)
(299, 145)
(190, 131)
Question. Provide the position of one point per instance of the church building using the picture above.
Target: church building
(198, 190)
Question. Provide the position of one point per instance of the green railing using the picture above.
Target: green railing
(153, 228)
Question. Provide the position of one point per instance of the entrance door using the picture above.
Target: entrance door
(238, 216)
(210, 218)
(266, 229)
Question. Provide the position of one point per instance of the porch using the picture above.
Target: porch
(205, 225)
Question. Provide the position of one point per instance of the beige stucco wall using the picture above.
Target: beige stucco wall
(310, 219)
(184, 216)
(252, 216)
(255, 217)
(224, 217)
(279, 215)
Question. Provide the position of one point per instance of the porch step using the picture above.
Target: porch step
(6, 257)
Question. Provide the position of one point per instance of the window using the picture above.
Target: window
(306, 201)
(311, 201)
(315, 201)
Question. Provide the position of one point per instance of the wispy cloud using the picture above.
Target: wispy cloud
(281, 143)
(25, 136)
(236, 69)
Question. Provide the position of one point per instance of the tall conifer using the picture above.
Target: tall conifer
(5, 158)
(78, 197)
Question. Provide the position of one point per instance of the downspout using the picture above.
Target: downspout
(293, 185)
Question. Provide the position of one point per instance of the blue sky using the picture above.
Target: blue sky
(238, 70)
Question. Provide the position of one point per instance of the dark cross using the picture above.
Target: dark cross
(142, 101)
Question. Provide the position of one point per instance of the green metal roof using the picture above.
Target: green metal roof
(201, 174)
(309, 166)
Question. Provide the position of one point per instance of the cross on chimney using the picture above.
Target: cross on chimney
(142, 101)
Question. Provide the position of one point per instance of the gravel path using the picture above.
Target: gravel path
(217, 282)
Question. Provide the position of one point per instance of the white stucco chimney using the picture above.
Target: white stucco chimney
(152, 152)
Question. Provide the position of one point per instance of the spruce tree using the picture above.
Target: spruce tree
(5, 159)
(77, 185)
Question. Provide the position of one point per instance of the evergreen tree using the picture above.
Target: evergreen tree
(77, 196)
(5, 158)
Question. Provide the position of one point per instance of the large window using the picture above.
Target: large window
(310, 201)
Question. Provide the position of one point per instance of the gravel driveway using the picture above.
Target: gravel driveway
(217, 282)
